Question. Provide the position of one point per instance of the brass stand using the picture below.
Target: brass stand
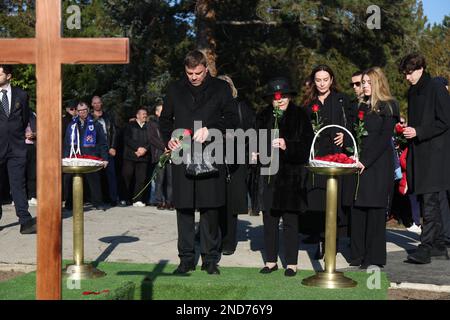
(330, 278)
(79, 270)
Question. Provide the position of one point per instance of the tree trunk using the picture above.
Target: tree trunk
(206, 42)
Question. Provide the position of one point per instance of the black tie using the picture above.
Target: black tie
(5, 102)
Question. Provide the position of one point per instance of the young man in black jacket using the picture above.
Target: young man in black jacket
(427, 169)
(136, 156)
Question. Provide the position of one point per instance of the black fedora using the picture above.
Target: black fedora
(279, 84)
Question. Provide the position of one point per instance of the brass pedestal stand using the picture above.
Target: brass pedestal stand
(79, 270)
(330, 278)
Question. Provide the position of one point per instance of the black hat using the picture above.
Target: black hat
(72, 104)
(279, 84)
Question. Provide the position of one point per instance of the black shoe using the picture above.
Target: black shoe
(212, 268)
(161, 206)
(290, 272)
(421, 256)
(68, 206)
(100, 207)
(1, 212)
(184, 268)
(170, 206)
(113, 204)
(28, 227)
(266, 270)
(227, 252)
(439, 253)
(355, 263)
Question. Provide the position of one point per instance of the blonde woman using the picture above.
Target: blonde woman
(379, 112)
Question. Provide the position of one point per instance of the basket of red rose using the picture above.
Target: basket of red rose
(339, 160)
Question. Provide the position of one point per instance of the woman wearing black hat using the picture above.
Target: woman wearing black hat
(283, 192)
(324, 101)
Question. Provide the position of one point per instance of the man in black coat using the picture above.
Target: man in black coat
(136, 156)
(14, 118)
(197, 97)
(107, 122)
(427, 167)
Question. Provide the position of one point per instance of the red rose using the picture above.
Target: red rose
(399, 128)
(187, 132)
(361, 115)
(315, 108)
(277, 96)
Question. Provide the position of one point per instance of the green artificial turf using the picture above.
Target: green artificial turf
(155, 281)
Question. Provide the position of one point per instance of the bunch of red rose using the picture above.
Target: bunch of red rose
(86, 156)
(337, 157)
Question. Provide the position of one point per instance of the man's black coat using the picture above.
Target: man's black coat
(212, 104)
(428, 158)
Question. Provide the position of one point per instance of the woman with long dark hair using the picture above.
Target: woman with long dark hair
(325, 106)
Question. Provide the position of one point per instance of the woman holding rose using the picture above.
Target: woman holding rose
(283, 188)
(325, 106)
(378, 114)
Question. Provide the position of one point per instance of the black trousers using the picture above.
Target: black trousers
(432, 234)
(93, 183)
(31, 171)
(228, 230)
(163, 185)
(271, 221)
(16, 173)
(209, 235)
(137, 171)
(368, 235)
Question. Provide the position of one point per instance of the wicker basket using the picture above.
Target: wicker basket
(328, 164)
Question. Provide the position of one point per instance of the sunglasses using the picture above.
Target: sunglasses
(353, 84)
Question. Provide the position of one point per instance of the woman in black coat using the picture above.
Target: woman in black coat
(334, 108)
(380, 113)
(236, 189)
(284, 194)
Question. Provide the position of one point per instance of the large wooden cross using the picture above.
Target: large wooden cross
(48, 51)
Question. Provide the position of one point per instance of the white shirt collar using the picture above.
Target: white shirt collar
(7, 88)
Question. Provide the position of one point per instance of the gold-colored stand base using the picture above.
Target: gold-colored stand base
(82, 272)
(335, 280)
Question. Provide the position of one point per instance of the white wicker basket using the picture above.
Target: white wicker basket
(328, 164)
(73, 161)
(80, 162)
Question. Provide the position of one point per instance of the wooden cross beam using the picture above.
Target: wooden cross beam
(48, 51)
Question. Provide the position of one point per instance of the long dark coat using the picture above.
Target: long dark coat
(336, 110)
(238, 173)
(286, 190)
(376, 183)
(427, 168)
(213, 105)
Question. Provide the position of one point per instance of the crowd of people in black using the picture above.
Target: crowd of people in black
(398, 162)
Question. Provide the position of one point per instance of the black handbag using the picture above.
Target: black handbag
(202, 166)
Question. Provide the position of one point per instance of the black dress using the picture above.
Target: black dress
(336, 110)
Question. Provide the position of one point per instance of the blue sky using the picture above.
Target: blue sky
(435, 10)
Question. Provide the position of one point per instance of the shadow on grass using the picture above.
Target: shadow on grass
(113, 241)
(147, 283)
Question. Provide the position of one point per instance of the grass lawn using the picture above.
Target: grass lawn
(156, 282)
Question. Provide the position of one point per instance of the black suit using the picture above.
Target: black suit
(13, 151)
